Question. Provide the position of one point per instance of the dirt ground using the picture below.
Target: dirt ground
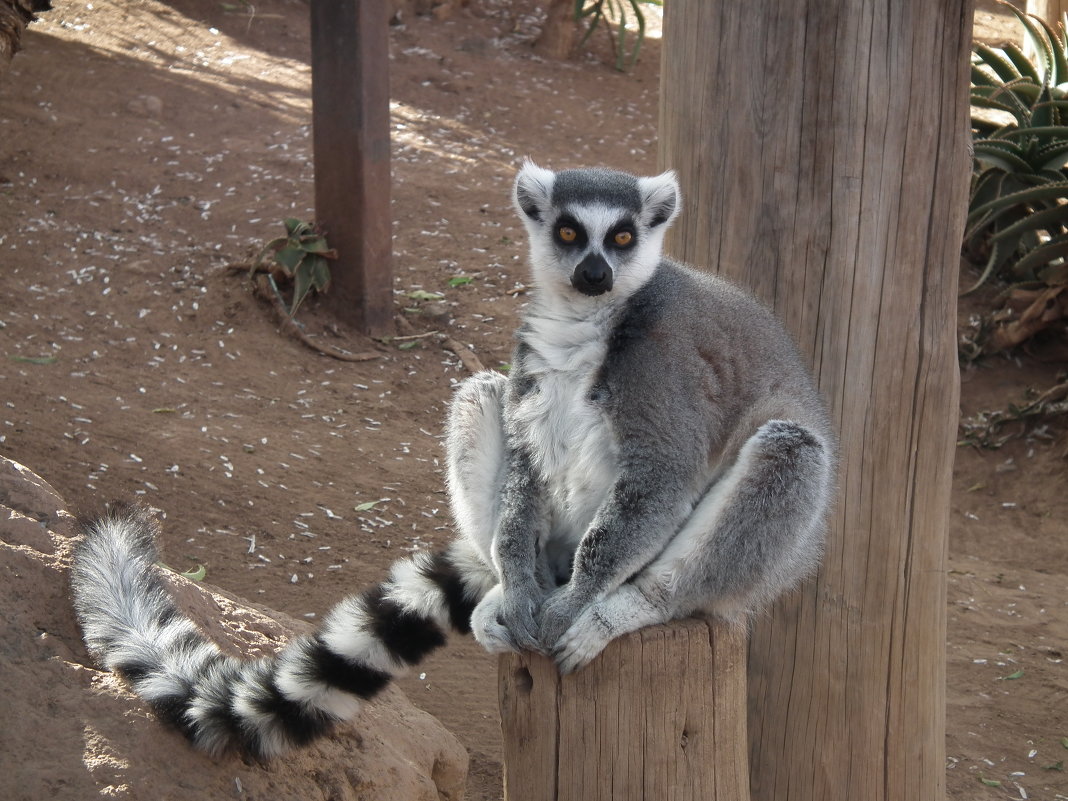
(145, 145)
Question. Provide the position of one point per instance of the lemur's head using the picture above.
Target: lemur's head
(594, 231)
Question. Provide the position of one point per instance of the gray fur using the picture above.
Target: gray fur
(665, 451)
(264, 707)
(575, 188)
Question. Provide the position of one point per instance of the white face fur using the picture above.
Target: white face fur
(596, 235)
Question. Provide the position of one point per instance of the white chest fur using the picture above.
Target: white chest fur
(569, 435)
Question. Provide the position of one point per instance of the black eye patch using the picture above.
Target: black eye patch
(569, 233)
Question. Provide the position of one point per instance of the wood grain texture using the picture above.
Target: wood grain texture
(350, 122)
(822, 150)
(1049, 10)
(659, 716)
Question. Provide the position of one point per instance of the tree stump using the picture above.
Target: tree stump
(15, 15)
(558, 34)
(660, 715)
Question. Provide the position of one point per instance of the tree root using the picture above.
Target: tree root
(983, 430)
(1040, 309)
(263, 289)
(464, 354)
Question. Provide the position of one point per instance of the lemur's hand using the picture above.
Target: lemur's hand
(505, 620)
(557, 614)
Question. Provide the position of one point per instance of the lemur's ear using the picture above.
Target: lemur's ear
(533, 190)
(660, 198)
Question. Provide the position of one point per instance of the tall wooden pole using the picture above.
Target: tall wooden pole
(823, 151)
(350, 121)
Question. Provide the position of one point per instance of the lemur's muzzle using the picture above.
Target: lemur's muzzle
(593, 276)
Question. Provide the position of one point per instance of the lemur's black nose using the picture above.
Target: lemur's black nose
(593, 276)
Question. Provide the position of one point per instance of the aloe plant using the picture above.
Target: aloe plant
(612, 13)
(1017, 228)
(300, 256)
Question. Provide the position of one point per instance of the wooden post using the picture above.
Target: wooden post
(823, 153)
(350, 117)
(658, 716)
(1049, 10)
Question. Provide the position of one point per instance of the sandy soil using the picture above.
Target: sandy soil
(145, 145)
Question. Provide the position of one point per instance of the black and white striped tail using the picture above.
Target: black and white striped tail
(267, 706)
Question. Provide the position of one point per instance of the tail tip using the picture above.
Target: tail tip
(135, 520)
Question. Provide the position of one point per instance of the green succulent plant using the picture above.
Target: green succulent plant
(613, 14)
(301, 256)
(1017, 227)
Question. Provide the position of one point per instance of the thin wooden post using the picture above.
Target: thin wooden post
(658, 716)
(1049, 10)
(350, 119)
(1052, 11)
(823, 151)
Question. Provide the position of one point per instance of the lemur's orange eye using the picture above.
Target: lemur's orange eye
(567, 233)
(623, 238)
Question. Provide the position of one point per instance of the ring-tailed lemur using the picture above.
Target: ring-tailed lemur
(657, 450)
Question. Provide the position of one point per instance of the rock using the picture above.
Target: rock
(153, 105)
(72, 731)
(146, 106)
(440, 9)
(437, 313)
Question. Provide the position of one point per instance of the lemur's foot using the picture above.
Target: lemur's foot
(582, 642)
(558, 614)
(505, 622)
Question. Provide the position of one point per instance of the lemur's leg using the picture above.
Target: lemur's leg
(477, 457)
(753, 534)
(642, 602)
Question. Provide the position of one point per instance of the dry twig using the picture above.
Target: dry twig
(465, 355)
(263, 289)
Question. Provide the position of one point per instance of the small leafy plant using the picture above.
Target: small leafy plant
(301, 257)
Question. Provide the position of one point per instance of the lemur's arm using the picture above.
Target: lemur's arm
(650, 499)
(523, 525)
(515, 544)
(515, 551)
